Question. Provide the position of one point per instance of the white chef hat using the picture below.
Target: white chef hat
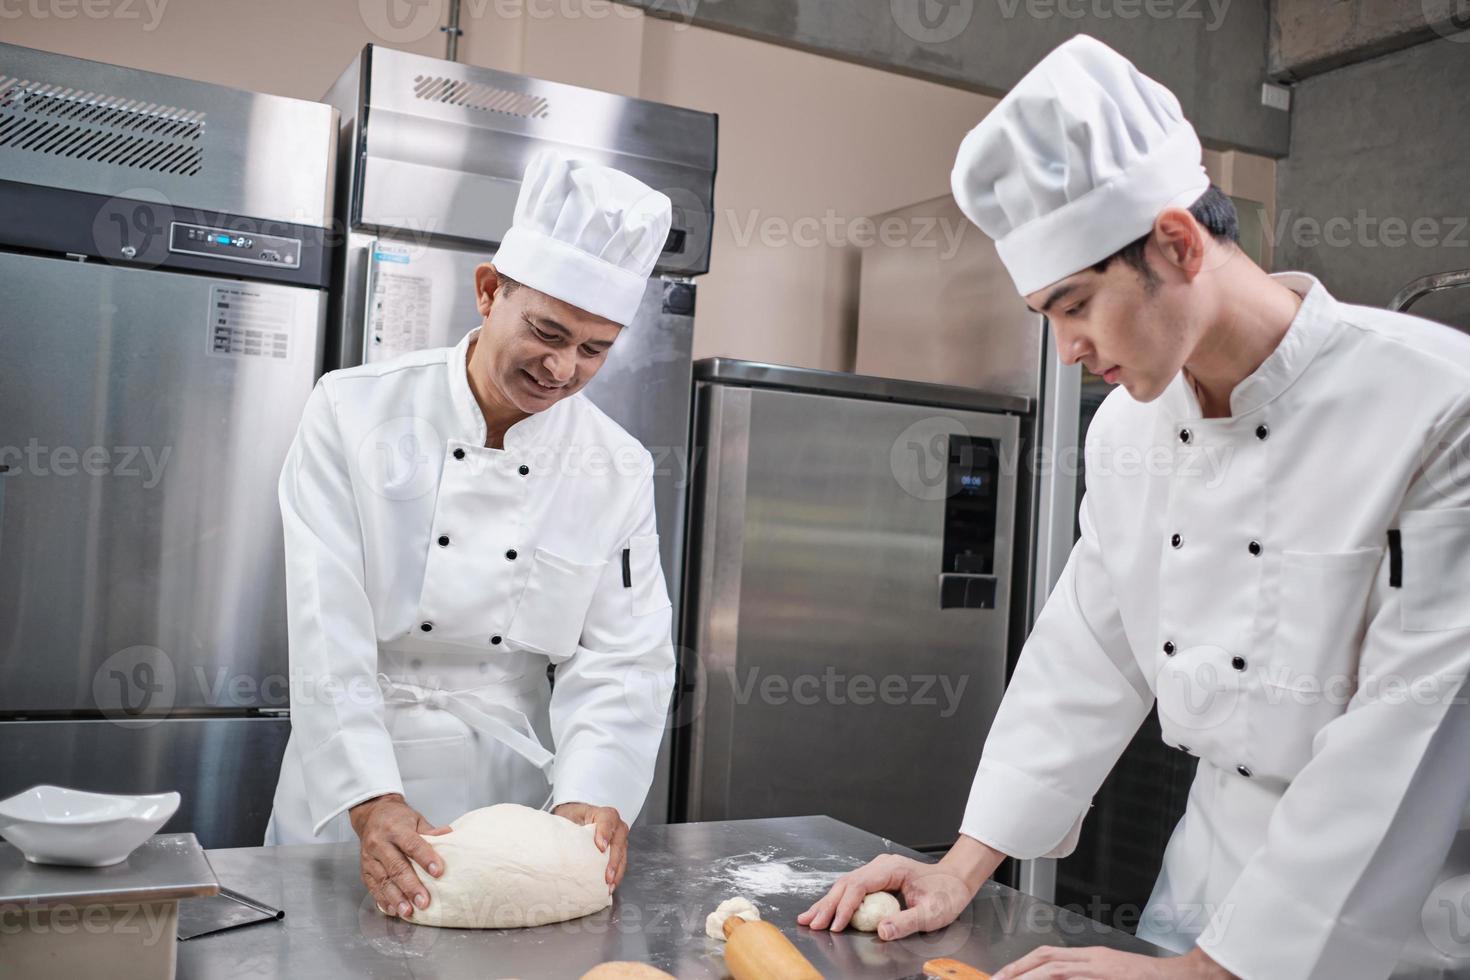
(1076, 162)
(587, 234)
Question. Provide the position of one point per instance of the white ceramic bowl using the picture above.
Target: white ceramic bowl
(53, 825)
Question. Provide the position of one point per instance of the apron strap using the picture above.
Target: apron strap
(513, 729)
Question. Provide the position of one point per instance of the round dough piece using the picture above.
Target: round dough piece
(508, 865)
(875, 908)
(626, 971)
(714, 923)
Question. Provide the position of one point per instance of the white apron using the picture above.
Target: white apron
(464, 734)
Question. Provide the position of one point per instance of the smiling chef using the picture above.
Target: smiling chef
(1301, 618)
(457, 520)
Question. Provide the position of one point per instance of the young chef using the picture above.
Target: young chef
(458, 519)
(1300, 612)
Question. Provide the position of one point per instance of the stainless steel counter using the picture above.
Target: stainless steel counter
(164, 868)
(676, 876)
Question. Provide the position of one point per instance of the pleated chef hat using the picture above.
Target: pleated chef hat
(586, 234)
(1075, 162)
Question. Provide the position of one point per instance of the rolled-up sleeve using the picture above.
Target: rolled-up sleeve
(609, 706)
(1074, 700)
(336, 707)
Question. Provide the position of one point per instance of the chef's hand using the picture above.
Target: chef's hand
(934, 894)
(611, 835)
(1097, 963)
(389, 830)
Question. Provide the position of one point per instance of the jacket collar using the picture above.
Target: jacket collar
(471, 426)
(1303, 340)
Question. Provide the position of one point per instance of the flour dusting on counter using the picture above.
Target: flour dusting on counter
(780, 878)
(754, 873)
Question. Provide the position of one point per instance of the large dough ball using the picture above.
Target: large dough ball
(625, 971)
(508, 865)
(875, 908)
(714, 923)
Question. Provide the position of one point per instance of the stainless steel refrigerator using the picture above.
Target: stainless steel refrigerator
(430, 168)
(163, 272)
(858, 548)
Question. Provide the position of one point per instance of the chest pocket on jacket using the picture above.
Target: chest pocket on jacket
(1310, 673)
(553, 605)
(1436, 569)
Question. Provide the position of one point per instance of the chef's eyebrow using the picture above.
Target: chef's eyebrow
(550, 324)
(1060, 292)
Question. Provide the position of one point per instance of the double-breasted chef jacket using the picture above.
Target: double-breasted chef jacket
(432, 580)
(1291, 585)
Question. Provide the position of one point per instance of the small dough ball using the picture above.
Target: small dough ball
(714, 923)
(875, 908)
(625, 971)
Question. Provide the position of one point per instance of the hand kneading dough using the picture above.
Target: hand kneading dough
(714, 923)
(508, 865)
(625, 971)
(875, 908)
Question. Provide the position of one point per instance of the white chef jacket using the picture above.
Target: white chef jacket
(431, 581)
(1292, 585)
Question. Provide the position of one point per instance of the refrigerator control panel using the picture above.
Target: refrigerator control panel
(237, 246)
(967, 580)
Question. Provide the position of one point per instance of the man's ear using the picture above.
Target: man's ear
(486, 282)
(1180, 240)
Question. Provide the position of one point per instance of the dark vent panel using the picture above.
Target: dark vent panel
(108, 129)
(474, 95)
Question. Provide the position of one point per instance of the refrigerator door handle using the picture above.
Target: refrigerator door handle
(959, 590)
(369, 283)
(5, 471)
(715, 586)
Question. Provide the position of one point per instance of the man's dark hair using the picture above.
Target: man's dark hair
(1215, 213)
(504, 284)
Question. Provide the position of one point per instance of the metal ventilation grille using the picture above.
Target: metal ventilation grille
(109, 129)
(486, 98)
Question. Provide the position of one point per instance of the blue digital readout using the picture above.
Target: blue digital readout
(215, 242)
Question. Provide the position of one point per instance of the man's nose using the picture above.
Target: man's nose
(561, 364)
(1070, 348)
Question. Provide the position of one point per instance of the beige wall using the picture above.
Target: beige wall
(808, 145)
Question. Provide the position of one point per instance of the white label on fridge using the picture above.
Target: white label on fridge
(245, 321)
(398, 307)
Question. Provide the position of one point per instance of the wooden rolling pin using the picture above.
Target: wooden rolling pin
(953, 970)
(758, 951)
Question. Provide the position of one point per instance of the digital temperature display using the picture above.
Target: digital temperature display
(237, 241)
(225, 243)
